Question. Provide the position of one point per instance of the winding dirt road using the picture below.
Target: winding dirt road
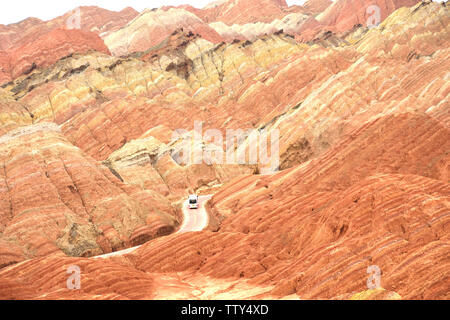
(193, 220)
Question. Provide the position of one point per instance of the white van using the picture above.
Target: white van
(193, 201)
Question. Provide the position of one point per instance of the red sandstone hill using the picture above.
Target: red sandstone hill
(55, 199)
(151, 27)
(380, 197)
(230, 20)
(342, 15)
(46, 50)
(248, 11)
(86, 166)
(301, 232)
(338, 16)
(315, 7)
(95, 19)
(241, 11)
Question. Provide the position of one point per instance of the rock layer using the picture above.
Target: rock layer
(153, 26)
(55, 198)
(91, 165)
(46, 50)
(92, 19)
(314, 233)
(342, 15)
(299, 238)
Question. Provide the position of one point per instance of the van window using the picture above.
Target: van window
(192, 201)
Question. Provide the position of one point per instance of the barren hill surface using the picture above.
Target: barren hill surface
(90, 162)
(90, 18)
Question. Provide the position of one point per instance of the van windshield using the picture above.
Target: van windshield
(192, 201)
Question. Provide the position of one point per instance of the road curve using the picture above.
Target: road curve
(193, 220)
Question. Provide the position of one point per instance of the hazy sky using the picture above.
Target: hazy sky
(12, 11)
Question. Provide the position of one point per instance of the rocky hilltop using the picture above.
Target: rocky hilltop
(90, 163)
(92, 19)
(46, 50)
